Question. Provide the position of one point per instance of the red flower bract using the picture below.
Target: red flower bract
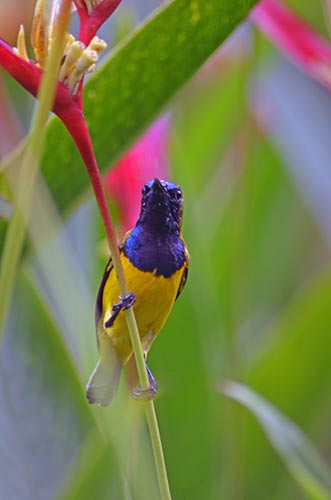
(29, 75)
(145, 160)
(295, 39)
(91, 22)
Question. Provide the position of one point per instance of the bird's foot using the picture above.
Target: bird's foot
(146, 393)
(126, 301)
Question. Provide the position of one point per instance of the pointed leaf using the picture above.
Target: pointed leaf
(134, 84)
(295, 449)
(44, 418)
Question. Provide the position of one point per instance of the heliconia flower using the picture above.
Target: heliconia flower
(146, 159)
(78, 59)
(295, 38)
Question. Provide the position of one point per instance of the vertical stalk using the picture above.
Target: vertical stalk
(79, 132)
(24, 184)
(157, 450)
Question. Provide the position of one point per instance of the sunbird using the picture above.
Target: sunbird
(155, 262)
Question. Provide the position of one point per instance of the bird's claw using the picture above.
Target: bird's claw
(126, 301)
(146, 393)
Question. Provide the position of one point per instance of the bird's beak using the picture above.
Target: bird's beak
(158, 196)
(157, 186)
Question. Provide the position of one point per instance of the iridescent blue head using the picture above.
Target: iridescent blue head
(161, 207)
(155, 244)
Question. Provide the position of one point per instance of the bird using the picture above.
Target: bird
(155, 261)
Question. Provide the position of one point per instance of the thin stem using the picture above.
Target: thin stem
(79, 132)
(10, 126)
(157, 450)
(24, 184)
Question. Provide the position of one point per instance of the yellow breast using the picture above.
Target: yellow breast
(155, 296)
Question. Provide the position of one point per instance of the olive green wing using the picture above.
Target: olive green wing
(184, 275)
(109, 269)
(98, 303)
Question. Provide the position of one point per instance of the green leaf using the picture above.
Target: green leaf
(135, 83)
(44, 417)
(291, 366)
(295, 449)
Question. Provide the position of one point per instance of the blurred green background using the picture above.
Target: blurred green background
(249, 145)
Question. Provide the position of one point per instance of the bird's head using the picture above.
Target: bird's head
(161, 206)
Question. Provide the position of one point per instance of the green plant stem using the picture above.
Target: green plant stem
(23, 184)
(143, 380)
(83, 142)
(157, 450)
(142, 373)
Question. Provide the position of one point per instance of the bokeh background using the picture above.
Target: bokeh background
(248, 140)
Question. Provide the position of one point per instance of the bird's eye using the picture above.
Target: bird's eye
(177, 194)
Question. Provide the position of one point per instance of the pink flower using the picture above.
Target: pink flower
(145, 160)
(294, 38)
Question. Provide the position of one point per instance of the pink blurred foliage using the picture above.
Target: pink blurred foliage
(145, 160)
(295, 39)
